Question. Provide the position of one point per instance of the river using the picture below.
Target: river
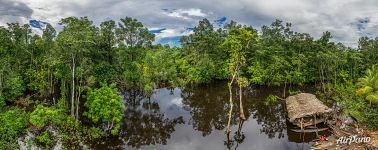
(184, 119)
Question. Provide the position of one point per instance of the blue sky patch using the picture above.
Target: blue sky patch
(156, 30)
(220, 22)
(37, 24)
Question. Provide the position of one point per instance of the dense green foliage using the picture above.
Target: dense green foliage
(55, 118)
(13, 87)
(369, 85)
(13, 123)
(43, 116)
(105, 106)
(66, 69)
(355, 105)
(45, 139)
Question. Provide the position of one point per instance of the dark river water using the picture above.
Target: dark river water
(177, 119)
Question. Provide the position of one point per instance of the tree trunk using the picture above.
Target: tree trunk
(78, 102)
(53, 89)
(242, 116)
(228, 130)
(284, 92)
(1, 83)
(73, 88)
(80, 90)
(322, 74)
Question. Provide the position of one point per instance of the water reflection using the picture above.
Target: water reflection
(238, 137)
(208, 110)
(195, 119)
(208, 107)
(143, 125)
(147, 126)
(271, 118)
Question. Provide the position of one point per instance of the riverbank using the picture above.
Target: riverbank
(348, 138)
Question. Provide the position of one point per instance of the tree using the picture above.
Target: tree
(13, 43)
(369, 49)
(106, 41)
(75, 41)
(238, 43)
(133, 41)
(368, 85)
(133, 34)
(40, 76)
(203, 53)
(103, 56)
(161, 66)
(13, 87)
(105, 106)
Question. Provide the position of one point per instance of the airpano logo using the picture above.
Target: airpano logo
(352, 139)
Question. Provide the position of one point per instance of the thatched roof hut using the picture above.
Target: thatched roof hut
(305, 109)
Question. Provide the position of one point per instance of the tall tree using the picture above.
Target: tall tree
(75, 41)
(106, 41)
(133, 41)
(238, 43)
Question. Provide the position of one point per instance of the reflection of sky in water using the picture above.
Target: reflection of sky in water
(170, 103)
(204, 112)
(185, 137)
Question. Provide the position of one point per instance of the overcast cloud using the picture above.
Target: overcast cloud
(347, 20)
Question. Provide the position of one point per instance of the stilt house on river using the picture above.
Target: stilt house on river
(305, 109)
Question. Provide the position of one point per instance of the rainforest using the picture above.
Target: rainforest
(111, 86)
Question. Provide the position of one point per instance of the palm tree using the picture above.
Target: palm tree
(368, 85)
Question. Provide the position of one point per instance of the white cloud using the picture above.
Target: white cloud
(192, 12)
(340, 17)
(173, 32)
(314, 17)
(186, 14)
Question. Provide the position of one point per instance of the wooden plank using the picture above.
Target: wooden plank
(308, 123)
(309, 130)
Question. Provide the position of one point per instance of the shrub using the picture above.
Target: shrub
(368, 85)
(12, 124)
(356, 105)
(45, 139)
(43, 116)
(105, 106)
(13, 88)
(2, 102)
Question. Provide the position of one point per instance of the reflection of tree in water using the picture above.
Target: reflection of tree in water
(238, 137)
(147, 126)
(133, 97)
(208, 106)
(272, 118)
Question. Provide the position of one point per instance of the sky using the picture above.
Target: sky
(347, 20)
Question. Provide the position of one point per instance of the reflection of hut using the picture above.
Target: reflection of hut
(305, 109)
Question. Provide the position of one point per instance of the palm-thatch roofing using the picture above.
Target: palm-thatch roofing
(304, 105)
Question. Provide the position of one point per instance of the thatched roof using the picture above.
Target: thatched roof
(304, 105)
